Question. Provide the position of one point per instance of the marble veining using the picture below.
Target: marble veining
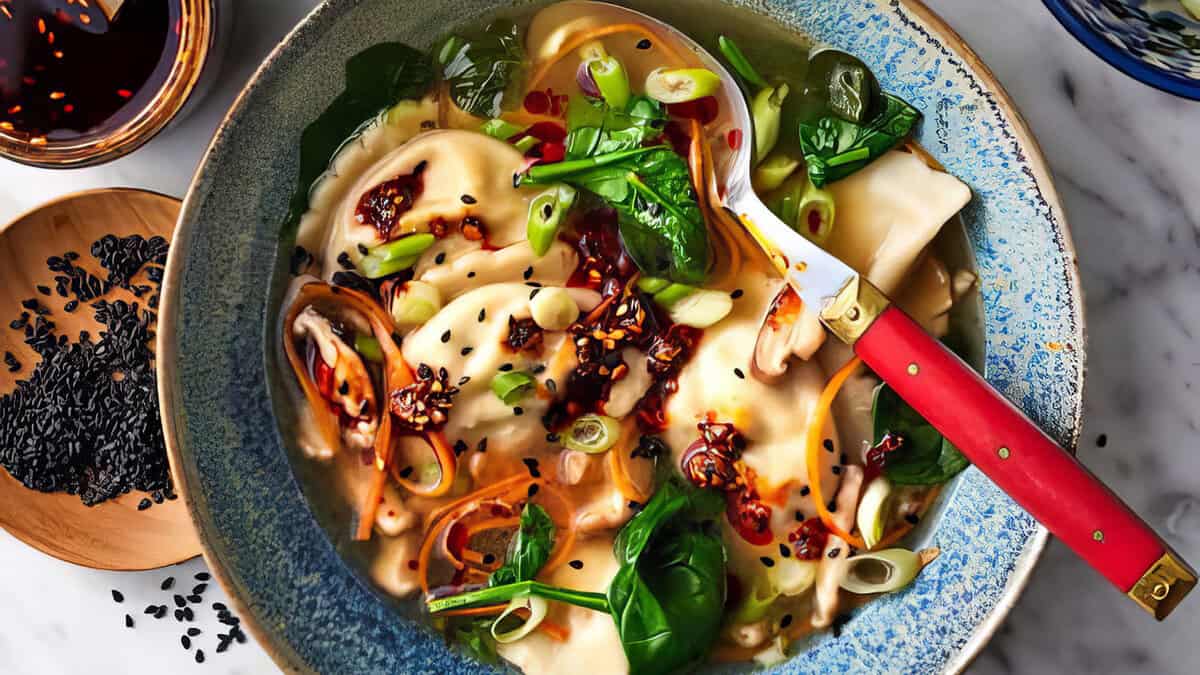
(1124, 159)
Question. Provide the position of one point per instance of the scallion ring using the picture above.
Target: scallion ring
(546, 214)
(537, 608)
(881, 571)
(512, 386)
(592, 434)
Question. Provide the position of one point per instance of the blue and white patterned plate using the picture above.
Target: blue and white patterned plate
(230, 435)
(1155, 41)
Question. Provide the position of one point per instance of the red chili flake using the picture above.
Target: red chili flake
(537, 103)
(41, 26)
(472, 229)
(68, 108)
(552, 152)
(544, 131)
(750, 517)
(679, 137)
(124, 93)
(814, 221)
(424, 404)
(734, 139)
(382, 206)
(524, 335)
(703, 109)
(876, 458)
(808, 541)
(413, 565)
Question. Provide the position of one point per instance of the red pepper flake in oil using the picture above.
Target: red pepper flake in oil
(382, 206)
(734, 139)
(537, 103)
(124, 93)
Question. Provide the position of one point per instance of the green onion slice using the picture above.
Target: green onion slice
(512, 386)
(592, 434)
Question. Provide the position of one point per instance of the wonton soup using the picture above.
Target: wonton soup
(577, 414)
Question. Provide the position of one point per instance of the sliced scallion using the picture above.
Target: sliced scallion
(652, 285)
(669, 296)
(612, 81)
(554, 309)
(512, 386)
(702, 309)
(375, 267)
(767, 111)
(873, 510)
(592, 434)
(537, 608)
(368, 348)
(773, 171)
(404, 247)
(501, 129)
(546, 214)
(679, 85)
(741, 65)
(414, 303)
(881, 571)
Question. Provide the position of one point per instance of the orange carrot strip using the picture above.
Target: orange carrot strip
(816, 429)
(617, 468)
(475, 611)
(588, 35)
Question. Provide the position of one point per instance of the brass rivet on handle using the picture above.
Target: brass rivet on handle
(1160, 591)
(1098, 535)
(1004, 453)
(913, 369)
(853, 314)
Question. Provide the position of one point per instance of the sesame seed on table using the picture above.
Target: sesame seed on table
(1122, 154)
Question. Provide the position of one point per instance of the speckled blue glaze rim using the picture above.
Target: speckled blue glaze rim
(1117, 54)
(228, 438)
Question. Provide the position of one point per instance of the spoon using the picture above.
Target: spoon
(1044, 478)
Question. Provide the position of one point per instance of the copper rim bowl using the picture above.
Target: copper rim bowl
(196, 59)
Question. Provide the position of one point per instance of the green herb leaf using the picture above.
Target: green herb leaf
(925, 457)
(834, 148)
(474, 635)
(376, 79)
(483, 68)
(668, 597)
(662, 227)
(529, 550)
(593, 128)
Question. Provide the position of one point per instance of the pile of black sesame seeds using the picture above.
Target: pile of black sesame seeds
(86, 420)
(185, 612)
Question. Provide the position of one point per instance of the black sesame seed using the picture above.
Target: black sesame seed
(518, 411)
(1101, 440)
(644, 43)
(185, 641)
(463, 380)
(420, 167)
(406, 472)
(528, 273)
(188, 613)
(71, 306)
(551, 385)
(844, 459)
(834, 552)
(533, 490)
(552, 437)
(144, 504)
(832, 506)
(532, 465)
(767, 561)
(516, 180)
(179, 615)
(482, 315)
(539, 369)
(150, 609)
(505, 368)
(488, 559)
(737, 293)
(460, 446)
(739, 373)
(117, 596)
(219, 606)
(193, 632)
(162, 611)
(837, 470)
(180, 601)
(344, 387)
(424, 371)
(804, 491)
(446, 336)
(128, 621)
(576, 564)
(827, 444)
(635, 505)
(362, 248)
(343, 259)
(199, 656)
(798, 516)
(481, 446)
(471, 275)
(439, 258)
(466, 350)
(533, 284)
(44, 290)
(533, 293)
(195, 599)
(468, 199)
(785, 551)
(785, 621)
(198, 589)
(912, 518)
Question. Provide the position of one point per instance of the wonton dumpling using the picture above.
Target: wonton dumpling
(887, 214)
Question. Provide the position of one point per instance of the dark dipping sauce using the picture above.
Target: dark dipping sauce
(67, 72)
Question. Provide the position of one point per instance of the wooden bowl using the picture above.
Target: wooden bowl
(113, 535)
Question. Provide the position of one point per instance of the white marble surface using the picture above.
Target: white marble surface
(1125, 159)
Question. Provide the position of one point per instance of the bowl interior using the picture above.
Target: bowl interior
(278, 544)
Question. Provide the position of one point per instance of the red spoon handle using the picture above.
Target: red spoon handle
(1046, 480)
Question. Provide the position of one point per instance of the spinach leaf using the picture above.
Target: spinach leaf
(483, 68)
(529, 550)
(835, 148)
(925, 457)
(668, 596)
(593, 128)
(662, 227)
(376, 79)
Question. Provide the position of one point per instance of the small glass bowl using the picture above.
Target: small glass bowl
(203, 24)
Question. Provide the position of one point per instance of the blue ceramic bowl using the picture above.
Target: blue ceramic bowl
(1154, 41)
(283, 551)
